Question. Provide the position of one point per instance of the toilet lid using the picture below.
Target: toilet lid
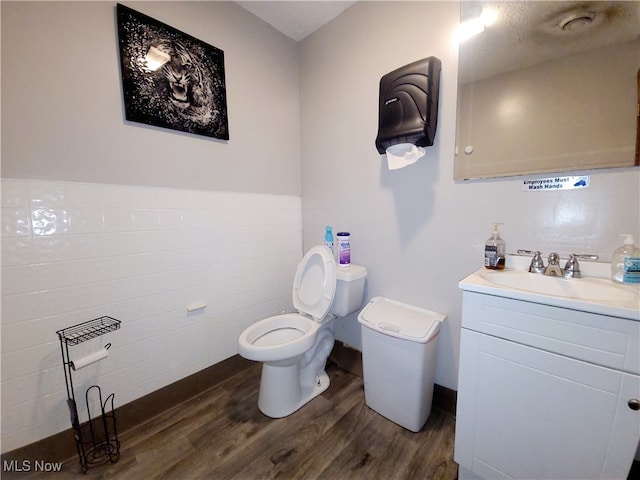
(314, 285)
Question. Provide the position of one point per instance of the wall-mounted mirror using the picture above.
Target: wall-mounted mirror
(549, 87)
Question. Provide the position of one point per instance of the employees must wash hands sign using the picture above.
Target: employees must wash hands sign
(556, 183)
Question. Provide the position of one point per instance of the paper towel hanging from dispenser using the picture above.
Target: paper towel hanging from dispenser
(408, 105)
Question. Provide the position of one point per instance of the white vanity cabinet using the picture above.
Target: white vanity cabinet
(545, 392)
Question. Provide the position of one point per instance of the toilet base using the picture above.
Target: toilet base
(281, 392)
(289, 384)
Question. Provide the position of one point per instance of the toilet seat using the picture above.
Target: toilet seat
(290, 335)
(278, 338)
(314, 285)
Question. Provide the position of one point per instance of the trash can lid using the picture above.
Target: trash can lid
(401, 320)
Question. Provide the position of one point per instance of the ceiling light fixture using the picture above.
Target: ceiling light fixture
(577, 21)
(470, 28)
(476, 25)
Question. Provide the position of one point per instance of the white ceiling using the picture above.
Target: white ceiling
(529, 32)
(296, 19)
(526, 32)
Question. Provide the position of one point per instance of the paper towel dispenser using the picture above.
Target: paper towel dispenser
(408, 108)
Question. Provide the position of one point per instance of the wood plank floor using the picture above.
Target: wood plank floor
(221, 434)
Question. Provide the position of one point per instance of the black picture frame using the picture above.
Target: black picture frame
(169, 78)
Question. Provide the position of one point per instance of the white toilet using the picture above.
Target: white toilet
(294, 346)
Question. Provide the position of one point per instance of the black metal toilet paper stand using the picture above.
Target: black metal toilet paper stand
(97, 438)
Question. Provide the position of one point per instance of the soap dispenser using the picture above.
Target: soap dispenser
(625, 264)
(494, 250)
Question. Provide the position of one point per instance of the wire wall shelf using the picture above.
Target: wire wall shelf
(87, 330)
(97, 438)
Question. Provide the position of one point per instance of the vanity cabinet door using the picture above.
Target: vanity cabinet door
(525, 413)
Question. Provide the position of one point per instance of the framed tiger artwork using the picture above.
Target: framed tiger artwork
(169, 78)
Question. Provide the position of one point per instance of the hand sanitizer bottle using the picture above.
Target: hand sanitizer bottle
(495, 250)
(625, 264)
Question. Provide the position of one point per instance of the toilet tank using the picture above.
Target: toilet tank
(349, 290)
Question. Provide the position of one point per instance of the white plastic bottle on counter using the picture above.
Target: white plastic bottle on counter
(625, 264)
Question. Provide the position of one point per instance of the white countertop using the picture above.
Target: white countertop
(589, 294)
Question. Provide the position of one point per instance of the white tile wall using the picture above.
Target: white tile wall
(72, 252)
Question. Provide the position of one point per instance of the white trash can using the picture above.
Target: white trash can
(399, 349)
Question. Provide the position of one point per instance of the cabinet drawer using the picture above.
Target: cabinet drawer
(603, 340)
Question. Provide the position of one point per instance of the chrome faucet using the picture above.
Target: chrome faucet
(553, 269)
(537, 264)
(572, 268)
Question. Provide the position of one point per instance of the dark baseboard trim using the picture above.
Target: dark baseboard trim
(350, 360)
(445, 399)
(61, 446)
(347, 358)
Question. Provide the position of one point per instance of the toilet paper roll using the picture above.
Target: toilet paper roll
(89, 359)
(403, 154)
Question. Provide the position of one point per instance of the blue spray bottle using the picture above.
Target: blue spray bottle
(328, 238)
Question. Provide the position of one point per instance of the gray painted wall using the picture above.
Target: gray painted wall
(416, 230)
(62, 110)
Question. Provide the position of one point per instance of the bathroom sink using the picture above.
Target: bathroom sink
(585, 289)
(598, 295)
